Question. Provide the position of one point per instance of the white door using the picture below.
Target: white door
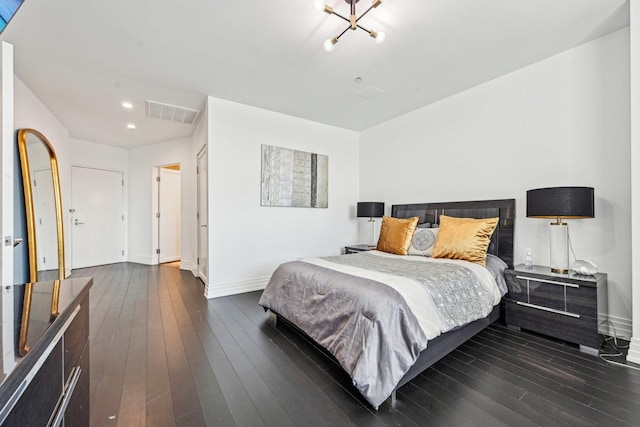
(203, 233)
(45, 213)
(169, 221)
(98, 218)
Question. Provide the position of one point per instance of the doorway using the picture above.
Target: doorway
(167, 230)
(203, 217)
(97, 220)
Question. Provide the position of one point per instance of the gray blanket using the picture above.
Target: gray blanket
(367, 325)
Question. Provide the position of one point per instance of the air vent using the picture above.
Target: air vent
(170, 112)
(370, 92)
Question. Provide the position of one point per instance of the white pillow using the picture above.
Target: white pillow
(423, 241)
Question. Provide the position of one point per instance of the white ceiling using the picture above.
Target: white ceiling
(82, 58)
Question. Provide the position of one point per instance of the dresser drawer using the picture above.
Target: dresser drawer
(554, 295)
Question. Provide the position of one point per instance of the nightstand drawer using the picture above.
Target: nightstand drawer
(582, 330)
(553, 295)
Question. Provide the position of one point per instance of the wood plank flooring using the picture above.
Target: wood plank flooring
(163, 355)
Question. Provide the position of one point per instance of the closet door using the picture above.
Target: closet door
(97, 223)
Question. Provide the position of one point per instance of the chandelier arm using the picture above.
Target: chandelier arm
(363, 28)
(365, 12)
(342, 33)
(340, 16)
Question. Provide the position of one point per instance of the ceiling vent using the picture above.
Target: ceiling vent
(370, 92)
(173, 113)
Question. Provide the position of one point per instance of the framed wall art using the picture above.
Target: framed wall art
(294, 178)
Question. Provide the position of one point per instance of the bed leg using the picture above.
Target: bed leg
(273, 318)
(394, 399)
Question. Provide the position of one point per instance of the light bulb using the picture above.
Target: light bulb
(380, 37)
(328, 45)
(319, 5)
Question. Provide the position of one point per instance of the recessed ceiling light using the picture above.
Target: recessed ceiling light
(131, 126)
(127, 105)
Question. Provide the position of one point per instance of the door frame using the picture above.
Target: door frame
(203, 152)
(7, 172)
(155, 203)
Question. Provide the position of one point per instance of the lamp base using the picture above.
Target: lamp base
(559, 233)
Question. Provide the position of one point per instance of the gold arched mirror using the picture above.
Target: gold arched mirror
(43, 203)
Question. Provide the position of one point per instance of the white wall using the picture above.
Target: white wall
(30, 112)
(634, 9)
(99, 156)
(141, 161)
(248, 241)
(562, 121)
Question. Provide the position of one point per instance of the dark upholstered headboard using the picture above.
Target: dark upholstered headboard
(502, 240)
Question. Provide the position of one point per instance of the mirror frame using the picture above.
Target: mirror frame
(29, 206)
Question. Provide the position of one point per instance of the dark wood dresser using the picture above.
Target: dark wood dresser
(563, 306)
(50, 384)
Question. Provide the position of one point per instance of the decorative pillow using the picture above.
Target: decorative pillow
(396, 234)
(464, 238)
(423, 241)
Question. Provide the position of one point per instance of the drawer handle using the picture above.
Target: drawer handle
(552, 310)
(68, 394)
(571, 285)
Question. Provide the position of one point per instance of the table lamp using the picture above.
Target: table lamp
(559, 203)
(371, 210)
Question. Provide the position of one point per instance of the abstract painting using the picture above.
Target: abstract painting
(294, 178)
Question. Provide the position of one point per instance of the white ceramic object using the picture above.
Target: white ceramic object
(585, 267)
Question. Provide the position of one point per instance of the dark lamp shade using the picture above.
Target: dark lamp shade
(560, 202)
(370, 209)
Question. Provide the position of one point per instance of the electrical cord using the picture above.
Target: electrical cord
(613, 342)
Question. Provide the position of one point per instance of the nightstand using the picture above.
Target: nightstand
(352, 249)
(563, 306)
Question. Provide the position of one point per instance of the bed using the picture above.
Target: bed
(369, 311)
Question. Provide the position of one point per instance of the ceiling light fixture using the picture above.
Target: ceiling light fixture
(352, 20)
(127, 105)
(131, 126)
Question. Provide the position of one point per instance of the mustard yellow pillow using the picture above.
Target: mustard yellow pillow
(396, 234)
(464, 238)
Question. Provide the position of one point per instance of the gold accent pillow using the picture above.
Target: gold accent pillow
(464, 238)
(396, 234)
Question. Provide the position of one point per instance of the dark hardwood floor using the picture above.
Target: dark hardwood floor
(163, 355)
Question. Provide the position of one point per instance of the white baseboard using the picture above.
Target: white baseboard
(622, 326)
(215, 290)
(634, 351)
(189, 266)
(140, 259)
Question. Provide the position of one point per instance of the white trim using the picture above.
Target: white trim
(622, 326)
(216, 290)
(140, 259)
(189, 266)
(634, 351)
(7, 154)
